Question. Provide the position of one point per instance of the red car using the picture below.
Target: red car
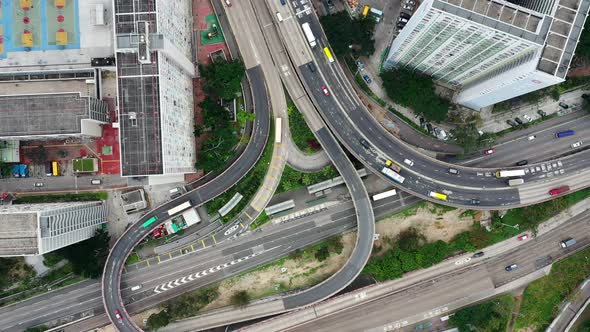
(118, 315)
(559, 190)
(228, 3)
(325, 90)
(489, 151)
(523, 237)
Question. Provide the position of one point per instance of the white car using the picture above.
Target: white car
(409, 162)
(409, 8)
(532, 137)
(528, 118)
(228, 3)
(577, 144)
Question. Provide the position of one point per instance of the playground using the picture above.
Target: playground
(37, 25)
(213, 34)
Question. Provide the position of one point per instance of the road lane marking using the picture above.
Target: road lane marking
(213, 236)
(203, 241)
(247, 215)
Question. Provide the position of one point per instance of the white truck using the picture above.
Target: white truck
(308, 34)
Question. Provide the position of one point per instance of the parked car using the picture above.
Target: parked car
(585, 96)
(511, 267)
(400, 25)
(325, 90)
(422, 122)
(411, 2)
(527, 118)
(367, 79)
(489, 151)
(564, 105)
(228, 3)
(523, 237)
(402, 20)
(409, 8)
(576, 144)
(405, 15)
(519, 121)
(541, 113)
(511, 123)
(429, 128)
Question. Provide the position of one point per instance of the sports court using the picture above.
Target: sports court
(213, 34)
(37, 25)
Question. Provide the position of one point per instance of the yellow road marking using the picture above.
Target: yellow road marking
(193, 247)
(204, 246)
(148, 262)
(242, 225)
(170, 255)
(213, 236)
(247, 215)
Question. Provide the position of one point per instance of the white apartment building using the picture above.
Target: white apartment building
(491, 50)
(155, 95)
(36, 229)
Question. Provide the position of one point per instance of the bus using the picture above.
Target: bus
(393, 175)
(564, 133)
(436, 195)
(385, 194)
(179, 208)
(328, 54)
(366, 11)
(278, 133)
(150, 221)
(55, 168)
(510, 173)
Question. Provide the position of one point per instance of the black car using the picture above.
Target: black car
(511, 123)
(408, 16)
(422, 122)
(478, 254)
(364, 143)
(585, 96)
(541, 113)
(475, 201)
(564, 105)
(511, 267)
(522, 163)
(400, 25)
(429, 128)
(519, 121)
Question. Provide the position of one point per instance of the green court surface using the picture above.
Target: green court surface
(26, 20)
(64, 18)
(85, 165)
(213, 28)
(107, 150)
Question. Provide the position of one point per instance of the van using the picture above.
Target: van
(138, 287)
(454, 171)
(567, 243)
(279, 17)
(515, 182)
(96, 181)
(311, 67)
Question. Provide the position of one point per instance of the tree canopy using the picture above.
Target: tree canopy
(490, 316)
(414, 90)
(89, 256)
(583, 48)
(240, 298)
(158, 320)
(343, 31)
(223, 79)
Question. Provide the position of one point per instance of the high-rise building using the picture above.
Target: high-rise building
(154, 73)
(36, 229)
(491, 50)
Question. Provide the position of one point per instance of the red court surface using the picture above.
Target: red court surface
(109, 163)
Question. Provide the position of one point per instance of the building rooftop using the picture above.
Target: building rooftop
(18, 234)
(43, 114)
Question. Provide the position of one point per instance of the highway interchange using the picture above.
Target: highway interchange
(349, 121)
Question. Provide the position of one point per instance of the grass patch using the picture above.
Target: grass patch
(407, 212)
(542, 297)
(248, 185)
(489, 316)
(408, 121)
(468, 213)
(262, 219)
(132, 259)
(292, 179)
(82, 197)
(300, 132)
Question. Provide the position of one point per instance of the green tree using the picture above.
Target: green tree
(583, 47)
(223, 79)
(156, 321)
(240, 298)
(408, 260)
(490, 316)
(335, 244)
(409, 240)
(245, 117)
(88, 257)
(215, 116)
(343, 32)
(322, 254)
(5, 169)
(62, 153)
(189, 304)
(411, 89)
(52, 258)
(198, 130)
(41, 328)
(38, 154)
(469, 138)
